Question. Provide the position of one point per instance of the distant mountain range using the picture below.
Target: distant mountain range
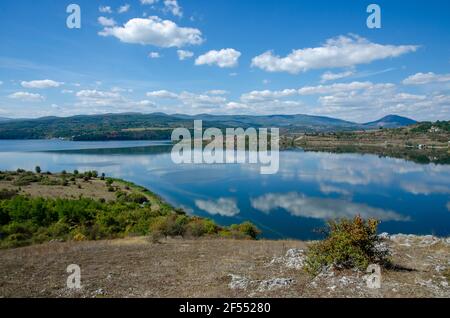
(391, 121)
(301, 122)
(127, 126)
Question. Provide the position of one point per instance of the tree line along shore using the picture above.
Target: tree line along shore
(36, 207)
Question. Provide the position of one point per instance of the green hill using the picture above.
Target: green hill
(158, 126)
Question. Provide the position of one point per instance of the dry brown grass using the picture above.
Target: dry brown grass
(94, 188)
(135, 267)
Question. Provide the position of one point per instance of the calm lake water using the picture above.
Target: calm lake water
(308, 189)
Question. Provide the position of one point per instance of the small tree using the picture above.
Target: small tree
(37, 169)
(247, 229)
(350, 243)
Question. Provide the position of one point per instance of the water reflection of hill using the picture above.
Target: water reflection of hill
(422, 156)
(144, 150)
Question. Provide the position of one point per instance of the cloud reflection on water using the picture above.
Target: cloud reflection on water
(298, 204)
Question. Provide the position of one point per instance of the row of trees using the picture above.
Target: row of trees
(25, 220)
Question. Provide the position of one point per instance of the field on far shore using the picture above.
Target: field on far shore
(414, 143)
(414, 136)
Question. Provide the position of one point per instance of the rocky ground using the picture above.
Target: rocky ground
(136, 267)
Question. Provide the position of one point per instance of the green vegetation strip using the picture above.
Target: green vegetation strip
(26, 220)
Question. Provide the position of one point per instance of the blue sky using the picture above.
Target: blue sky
(226, 57)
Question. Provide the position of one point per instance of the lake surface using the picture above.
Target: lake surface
(308, 189)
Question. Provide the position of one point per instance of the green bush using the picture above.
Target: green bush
(132, 197)
(224, 233)
(170, 225)
(199, 227)
(137, 198)
(59, 229)
(247, 229)
(49, 182)
(349, 244)
(26, 179)
(6, 194)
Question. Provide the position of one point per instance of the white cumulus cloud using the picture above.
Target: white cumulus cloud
(106, 22)
(217, 92)
(154, 55)
(148, 1)
(162, 94)
(105, 9)
(27, 97)
(154, 31)
(342, 51)
(190, 99)
(41, 84)
(124, 8)
(96, 94)
(173, 7)
(341, 87)
(426, 78)
(330, 76)
(266, 95)
(92, 97)
(183, 54)
(337, 88)
(222, 58)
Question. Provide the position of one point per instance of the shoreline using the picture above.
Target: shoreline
(127, 186)
(417, 148)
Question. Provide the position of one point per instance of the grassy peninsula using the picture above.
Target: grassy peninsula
(37, 207)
